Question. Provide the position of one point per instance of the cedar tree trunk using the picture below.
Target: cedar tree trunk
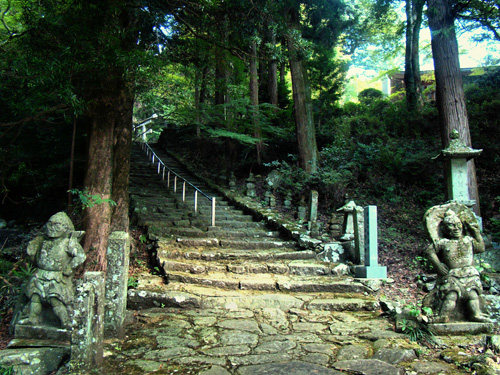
(254, 97)
(121, 158)
(302, 103)
(98, 179)
(412, 79)
(449, 88)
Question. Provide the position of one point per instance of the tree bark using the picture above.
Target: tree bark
(98, 179)
(272, 75)
(254, 98)
(450, 96)
(302, 102)
(121, 158)
(414, 9)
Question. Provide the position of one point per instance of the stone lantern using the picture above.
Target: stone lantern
(456, 155)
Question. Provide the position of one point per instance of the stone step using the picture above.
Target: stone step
(215, 254)
(153, 292)
(235, 244)
(193, 232)
(271, 282)
(284, 267)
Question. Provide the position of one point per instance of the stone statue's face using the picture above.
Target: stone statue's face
(56, 228)
(453, 228)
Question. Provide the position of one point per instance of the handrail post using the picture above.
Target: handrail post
(175, 184)
(184, 191)
(163, 175)
(158, 172)
(213, 211)
(168, 178)
(196, 202)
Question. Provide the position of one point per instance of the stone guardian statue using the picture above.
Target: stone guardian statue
(456, 237)
(56, 255)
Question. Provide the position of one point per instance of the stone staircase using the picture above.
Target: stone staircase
(238, 254)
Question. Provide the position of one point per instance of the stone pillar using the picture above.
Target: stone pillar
(359, 235)
(313, 207)
(371, 269)
(116, 283)
(313, 214)
(302, 209)
(348, 226)
(456, 156)
(251, 186)
(87, 336)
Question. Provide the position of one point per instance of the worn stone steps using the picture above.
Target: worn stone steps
(221, 233)
(238, 255)
(263, 243)
(343, 295)
(171, 250)
(300, 267)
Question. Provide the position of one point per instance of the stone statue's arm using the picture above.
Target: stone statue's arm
(75, 250)
(33, 247)
(475, 232)
(441, 268)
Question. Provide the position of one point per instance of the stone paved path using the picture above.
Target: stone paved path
(268, 341)
(226, 311)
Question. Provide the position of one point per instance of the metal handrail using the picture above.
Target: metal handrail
(150, 153)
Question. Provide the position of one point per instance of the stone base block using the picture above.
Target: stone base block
(42, 332)
(371, 272)
(461, 328)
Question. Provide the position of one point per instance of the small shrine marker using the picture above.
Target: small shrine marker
(371, 269)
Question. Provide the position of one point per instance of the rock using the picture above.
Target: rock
(307, 242)
(286, 368)
(333, 253)
(394, 356)
(426, 367)
(353, 352)
(33, 361)
(215, 370)
(341, 270)
(368, 367)
(234, 337)
(241, 325)
(494, 341)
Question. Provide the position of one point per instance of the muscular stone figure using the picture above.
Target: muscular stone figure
(56, 255)
(456, 238)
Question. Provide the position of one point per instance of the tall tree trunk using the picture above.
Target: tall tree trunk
(302, 102)
(254, 98)
(450, 96)
(121, 158)
(272, 74)
(414, 9)
(220, 78)
(98, 178)
(200, 99)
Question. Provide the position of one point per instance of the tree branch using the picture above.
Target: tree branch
(37, 116)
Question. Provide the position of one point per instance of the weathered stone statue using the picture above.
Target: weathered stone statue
(456, 237)
(56, 255)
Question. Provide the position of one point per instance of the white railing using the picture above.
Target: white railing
(162, 168)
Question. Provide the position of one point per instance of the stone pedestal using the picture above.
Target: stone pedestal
(461, 328)
(371, 269)
(87, 336)
(116, 283)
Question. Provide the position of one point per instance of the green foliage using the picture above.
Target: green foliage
(86, 200)
(132, 282)
(6, 370)
(367, 96)
(24, 273)
(417, 332)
